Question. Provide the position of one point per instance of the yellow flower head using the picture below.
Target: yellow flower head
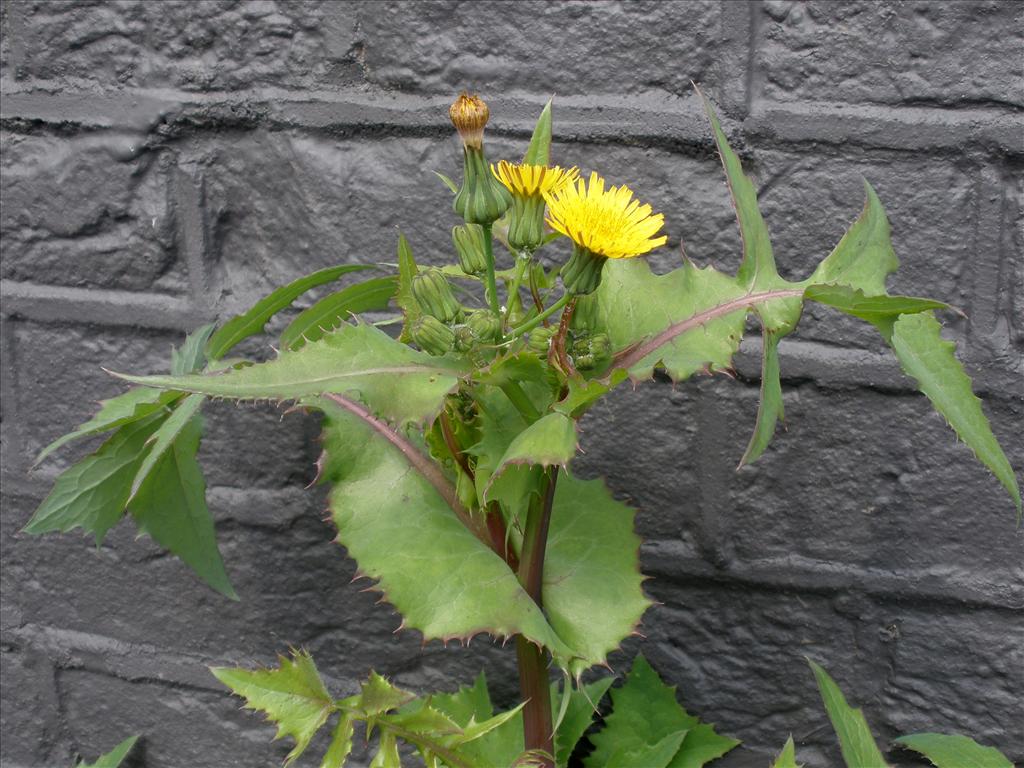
(524, 180)
(608, 222)
(469, 115)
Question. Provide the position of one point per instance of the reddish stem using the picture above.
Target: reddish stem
(533, 677)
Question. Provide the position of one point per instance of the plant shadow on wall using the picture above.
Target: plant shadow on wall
(448, 447)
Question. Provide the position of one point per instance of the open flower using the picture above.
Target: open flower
(528, 185)
(525, 180)
(603, 224)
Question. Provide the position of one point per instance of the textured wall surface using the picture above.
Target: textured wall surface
(166, 163)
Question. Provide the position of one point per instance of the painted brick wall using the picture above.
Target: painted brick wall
(166, 163)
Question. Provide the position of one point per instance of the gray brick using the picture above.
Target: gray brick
(914, 52)
(572, 47)
(87, 212)
(32, 727)
(206, 46)
(833, 488)
(101, 711)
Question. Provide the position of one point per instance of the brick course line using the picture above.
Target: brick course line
(669, 561)
(47, 303)
(659, 120)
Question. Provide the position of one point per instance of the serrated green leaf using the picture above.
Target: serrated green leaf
(930, 360)
(404, 298)
(191, 355)
(549, 441)
(787, 757)
(468, 703)
(757, 270)
(864, 256)
(170, 506)
(253, 321)
(487, 739)
(701, 746)
(855, 739)
(135, 404)
(114, 757)
(646, 755)
(645, 712)
(687, 321)
(378, 696)
(93, 493)
(387, 752)
(165, 436)
(539, 150)
(393, 522)
(954, 751)
(592, 590)
(498, 424)
(293, 696)
(331, 311)
(874, 309)
(341, 743)
(578, 716)
(424, 720)
(395, 381)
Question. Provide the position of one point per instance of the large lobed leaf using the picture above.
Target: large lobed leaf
(592, 590)
(396, 381)
(448, 584)
(398, 528)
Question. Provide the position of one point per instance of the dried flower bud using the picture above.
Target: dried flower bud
(469, 116)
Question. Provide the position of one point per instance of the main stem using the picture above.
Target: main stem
(492, 285)
(533, 677)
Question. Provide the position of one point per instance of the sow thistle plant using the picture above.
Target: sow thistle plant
(449, 448)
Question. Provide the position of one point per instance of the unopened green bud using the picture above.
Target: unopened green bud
(586, 315)
(482, 199)
(434, 295)
(526, 223)
(484, 325)
(540, 340)
(469, 244)
(582, 273)
(433, 336)
(590, 351)
(464, 338)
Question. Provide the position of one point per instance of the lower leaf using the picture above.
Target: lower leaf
(954, 751)
(170, 506)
